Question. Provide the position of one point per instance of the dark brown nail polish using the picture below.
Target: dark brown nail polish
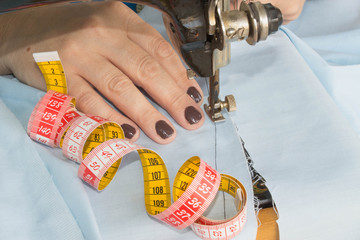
(129, 130)
(163, 129)
(192, 115)
(194, 94)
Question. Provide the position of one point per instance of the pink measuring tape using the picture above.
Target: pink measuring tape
(98, 146)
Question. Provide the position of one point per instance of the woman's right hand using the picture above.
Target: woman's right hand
(108, 51)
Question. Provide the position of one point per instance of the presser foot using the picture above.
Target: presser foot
(214, 109)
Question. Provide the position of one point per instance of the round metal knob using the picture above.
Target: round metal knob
(230, 103)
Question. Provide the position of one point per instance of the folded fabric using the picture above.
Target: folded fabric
(293, 112)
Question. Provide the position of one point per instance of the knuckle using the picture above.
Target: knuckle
(94, 25)
(113, 116)
(86, 101)
(182, 76)
(114, 6)
(94, 21)
(176, 101)
(110, 5)
(116, 82)
(147, 117)
(148, 68)
(162, 48)
(69, 47)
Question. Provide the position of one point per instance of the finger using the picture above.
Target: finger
(147, 73)
(90, 102)
(153, 43)
(120, 90)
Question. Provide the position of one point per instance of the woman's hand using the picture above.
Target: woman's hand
(106, 49)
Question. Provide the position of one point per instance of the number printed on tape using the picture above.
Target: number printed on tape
(94, 143)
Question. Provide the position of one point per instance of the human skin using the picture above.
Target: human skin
(106, 49)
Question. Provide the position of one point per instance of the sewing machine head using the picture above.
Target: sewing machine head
(201, 31)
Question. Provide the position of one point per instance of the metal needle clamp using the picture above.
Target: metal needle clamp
(216, 106)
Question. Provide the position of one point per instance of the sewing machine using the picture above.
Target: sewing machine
(201, 31)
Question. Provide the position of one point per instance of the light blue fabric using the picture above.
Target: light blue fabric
(331, 47)
(297, 113)
(31, 205)
(119, 210)
(331, 28)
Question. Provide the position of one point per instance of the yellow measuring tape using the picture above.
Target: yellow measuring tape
(50, 66)
(98, 146)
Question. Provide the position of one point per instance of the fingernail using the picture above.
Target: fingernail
(192, 115)
(163, 129)
(129, 130)
(194, 94)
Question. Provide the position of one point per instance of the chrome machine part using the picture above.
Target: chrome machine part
(253, 22)
(264, 19)
(201, 32)
(216, 106)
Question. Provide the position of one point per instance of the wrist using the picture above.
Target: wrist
(7, 22)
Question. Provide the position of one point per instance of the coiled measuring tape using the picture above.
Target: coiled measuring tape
(98, 146)
(224, 229)
(50, 66)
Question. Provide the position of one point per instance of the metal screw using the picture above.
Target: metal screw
(230, 103)
(193, 33)
(191, 74)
